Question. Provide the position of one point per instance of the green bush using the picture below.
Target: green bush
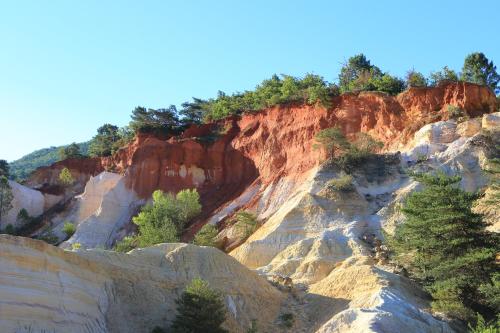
(245, 222)
(454, 112)
(445, 75)
(445, 246)
(343, 184)
(164, 220)
(358, 74)
(206, 236)
(127, 244)
(9, 230)
(482, 326)
(69, 229)
(70, 151)
(415, 79)
(200, 309)
(362, 148)
(478, 69)
(332, 140)
(65, 177)
(50, 238)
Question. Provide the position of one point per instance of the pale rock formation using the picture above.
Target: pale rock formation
(101, 211)
(491, 121)
(24, 197)
(46, 289)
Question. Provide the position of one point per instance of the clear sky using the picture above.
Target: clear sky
(67, 67)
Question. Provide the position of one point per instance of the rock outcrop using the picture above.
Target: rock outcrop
(46, 289)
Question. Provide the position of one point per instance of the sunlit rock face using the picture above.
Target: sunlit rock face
(46, 289)
(23, 198)
(104, 208)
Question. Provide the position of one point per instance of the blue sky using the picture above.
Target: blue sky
(67, 67)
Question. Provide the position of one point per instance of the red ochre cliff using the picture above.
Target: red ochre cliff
(274, 143)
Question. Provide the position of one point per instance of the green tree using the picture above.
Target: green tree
(206, 236)
(65, 177)
(6, 196)
(200, 309)
(194, 112)
(446, 247)
(165, 219)
(4, 168)
(154, 120)
(103, 143)
(415, 79)
(442, 76)
(478, 69)
(388, 84)
(355, 74)
(70, 151)
(332, 140)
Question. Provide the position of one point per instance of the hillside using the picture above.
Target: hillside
(316, 256)
(21, 169)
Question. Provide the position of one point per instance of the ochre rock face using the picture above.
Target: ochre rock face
(277, 142)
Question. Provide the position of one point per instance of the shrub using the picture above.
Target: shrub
(4, 168)
(454, 112)
(446, 247)
(65, 177)
(343, 184)
(443, 76)
(76, 246)
(482, 326)
(287, 320)
(69, 229)
(49, 238)
(415, 79)
(245, 222)
(363, 147)
(127, 244)
(332, 140)
(200, 309)
(9, 230)
(206, 236)
(165, 219)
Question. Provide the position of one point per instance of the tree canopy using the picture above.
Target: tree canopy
(445, 246)
(109, 139)
(70, 151)
(201, 309)
(4, 168)
(478, 69)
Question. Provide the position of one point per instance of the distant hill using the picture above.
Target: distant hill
(22, 168)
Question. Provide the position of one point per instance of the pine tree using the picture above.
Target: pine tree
(445, 246)
(200, 310)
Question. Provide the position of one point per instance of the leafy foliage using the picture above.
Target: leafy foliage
(483, 327)
(287, 320)
(358, 74)
(6, 196)
(332, 140)
(200, 310)
(446, 247)
(154, 120)
(343, 183)
(206, 236)
(109, 139)
(4, 168)
(164, 220)
(444, 75)
(69, 229)
(71, 151)
(415, 79)
(65, 177)
(22, 168)
(478, 69)
(245, 222)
